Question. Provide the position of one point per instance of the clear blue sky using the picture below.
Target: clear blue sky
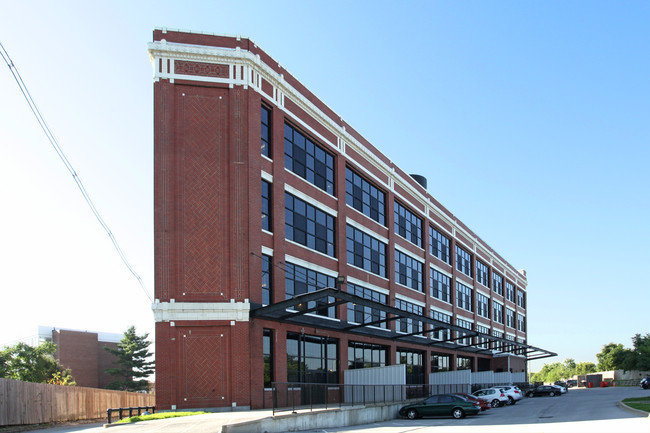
(529, 119)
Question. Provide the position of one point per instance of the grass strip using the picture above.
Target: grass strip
(640, 406)
(639, 399)
(161, 415)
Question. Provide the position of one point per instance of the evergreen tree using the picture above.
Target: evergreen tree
(132, 359)
(33, 364)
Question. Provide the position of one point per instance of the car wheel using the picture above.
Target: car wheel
(551, 394)
(458, 413)
(511, 401)
(412, 414)
(495, 403)
(531, 394)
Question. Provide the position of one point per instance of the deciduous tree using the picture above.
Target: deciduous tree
(33, 364)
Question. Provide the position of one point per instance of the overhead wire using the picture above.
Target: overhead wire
(59, 151)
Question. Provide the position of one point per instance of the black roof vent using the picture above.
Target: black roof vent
(420, 179)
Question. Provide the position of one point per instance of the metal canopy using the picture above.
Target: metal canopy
(294, 311)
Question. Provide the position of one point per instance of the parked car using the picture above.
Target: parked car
(496, 397)
(513, 393)
(441, 405)
(549, 390)
(483, 403)
(645, 383)
(571, 383)
(561, 383)
(562, 389)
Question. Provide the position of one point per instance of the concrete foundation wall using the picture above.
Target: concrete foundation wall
(317, 420)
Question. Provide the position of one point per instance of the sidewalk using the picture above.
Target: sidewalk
(211, 423)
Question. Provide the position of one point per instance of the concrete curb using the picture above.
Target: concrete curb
(632, 410)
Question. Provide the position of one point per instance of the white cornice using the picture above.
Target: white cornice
(176, 311)
(238, 57)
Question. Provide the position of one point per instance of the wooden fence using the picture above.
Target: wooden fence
(36, 403)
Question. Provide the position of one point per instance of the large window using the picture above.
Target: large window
(414, 360)
(439, 286)
(441, 334)
(408, 225)
(408, 271)
(467, 325)
(440, 362)
(266, 132)
(463, 297)
(497, 312)
(463, 261)
(266, 206)
(312, 359)
(482, 342)
(266, 280)
(482, 274)
(510, 291)
(309, 226)
(463, 363)
(521, 322)
(363, 314)
(365, 197)
(308, 160)
(365, 251)
(482, 305)
(365, 355)
(408, 325)
(267, 352)
(299, 280)
(521, 298)
(510, 318)
(497, 284)
(438, 245)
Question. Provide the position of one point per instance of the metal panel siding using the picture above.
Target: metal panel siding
(389, 375)
(451, 377)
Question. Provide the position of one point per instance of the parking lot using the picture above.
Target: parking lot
(578, 411)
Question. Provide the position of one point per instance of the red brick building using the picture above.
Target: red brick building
(289, 248)
(84, 354)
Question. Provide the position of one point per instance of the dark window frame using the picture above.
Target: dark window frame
(266, 131)
(464, 296)
(463, 261)
(357, 310)
(408, 271)
(309, 225)
(300, 280)
(307, 159)
(267, 206)
(364, 196)
(365, 251)
(439, 245)
(439, 285)
(407, 224)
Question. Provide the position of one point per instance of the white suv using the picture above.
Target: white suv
(495, 396)
(513, 393)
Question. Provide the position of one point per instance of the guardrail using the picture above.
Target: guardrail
(120, 410)
(292, 397)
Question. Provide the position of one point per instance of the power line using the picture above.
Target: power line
(68, 165)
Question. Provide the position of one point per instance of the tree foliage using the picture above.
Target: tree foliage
(610, 357)
(33, 364)
(558, 370)
(132, 362)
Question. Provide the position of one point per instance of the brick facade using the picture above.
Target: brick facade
(208, 91)
(84, 354)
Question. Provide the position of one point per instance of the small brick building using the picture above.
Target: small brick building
(83, 353)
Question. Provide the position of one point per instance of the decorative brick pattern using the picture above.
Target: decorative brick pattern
(205, 366)
(215, 70)
(205, 187)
